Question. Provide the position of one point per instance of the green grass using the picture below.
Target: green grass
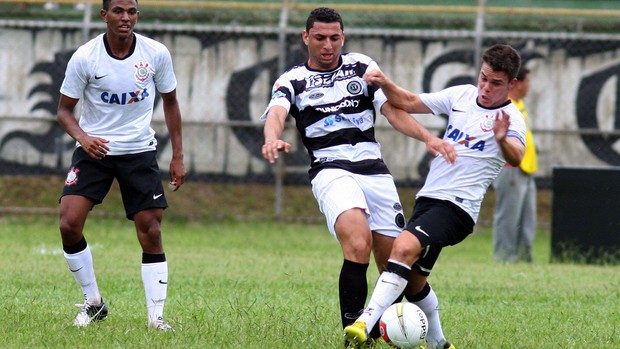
(252, 284)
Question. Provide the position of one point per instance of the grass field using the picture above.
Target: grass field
(265, 284)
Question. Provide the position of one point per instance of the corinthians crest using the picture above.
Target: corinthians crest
(142, 71)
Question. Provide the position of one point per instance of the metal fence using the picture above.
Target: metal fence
(227, 55)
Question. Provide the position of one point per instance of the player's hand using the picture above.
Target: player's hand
(95, 147)
(376, 77)
(501, 124)
(272, 148)
(437, 146)
(177, 174)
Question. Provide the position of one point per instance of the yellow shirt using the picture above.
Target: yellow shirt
(528, 164)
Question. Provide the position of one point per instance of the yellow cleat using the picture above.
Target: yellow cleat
(448, 345)
(356, 334)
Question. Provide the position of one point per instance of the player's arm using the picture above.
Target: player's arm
(274, 126)
(172, 114)
(397, 96)
(511, 147)
(95, 147)
(408, 125)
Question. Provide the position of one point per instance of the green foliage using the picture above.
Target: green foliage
(252, 284)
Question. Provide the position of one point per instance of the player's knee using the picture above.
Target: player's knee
(68, 227)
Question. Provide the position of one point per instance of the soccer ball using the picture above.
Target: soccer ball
(404, 325)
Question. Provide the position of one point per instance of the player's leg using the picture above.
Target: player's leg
(393, 280)
(528, 220)
(154, 265)
(508, 199)
(386, 220)
(87, 183)
(342, 202)
(77, 253)
(386, 217)
(427, 300)
(436, 224)
(355, 241)
(144, 200)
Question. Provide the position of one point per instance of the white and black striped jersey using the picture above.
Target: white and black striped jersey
(334, 112)
(479, 157)
(119, 93)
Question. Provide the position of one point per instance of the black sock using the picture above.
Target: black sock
(353, 289)
(78, 247)
(153, 258)
(420, 295)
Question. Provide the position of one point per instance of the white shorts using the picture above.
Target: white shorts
(338, 190)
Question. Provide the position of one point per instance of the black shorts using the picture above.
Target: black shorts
(437, 223)
(138, 177)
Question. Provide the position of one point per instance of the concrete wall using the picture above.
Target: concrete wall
(225, 77)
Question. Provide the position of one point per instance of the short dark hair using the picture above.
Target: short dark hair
(523, 71)
(503, 58)
(323, 15)
(106, 4)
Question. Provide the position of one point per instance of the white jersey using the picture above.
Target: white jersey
(335, 114)
(470, 131)
(118, 94)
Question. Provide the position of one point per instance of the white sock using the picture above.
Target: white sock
(430, 306)
(81, 266)
(155, 280)
(389, 286)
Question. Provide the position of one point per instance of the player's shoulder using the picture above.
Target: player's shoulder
(466, 91)
(89, 48)
(351, 57)
(296, 72)
(150, 43)
(513, 109)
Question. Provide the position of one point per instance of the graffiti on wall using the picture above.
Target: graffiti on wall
(242, 82)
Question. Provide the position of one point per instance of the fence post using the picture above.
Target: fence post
(280, 168)
(479, 33)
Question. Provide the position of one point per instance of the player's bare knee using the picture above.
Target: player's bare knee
(70, 228)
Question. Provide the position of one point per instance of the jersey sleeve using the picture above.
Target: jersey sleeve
(517, 126)
(379, 97)
(165, 79)
(76, 76)
(282, 94)
(440, 102)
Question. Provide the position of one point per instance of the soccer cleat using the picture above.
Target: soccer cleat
(356, 334)
(89, 313)
(446, 345)
(370, 343)
(160, 325)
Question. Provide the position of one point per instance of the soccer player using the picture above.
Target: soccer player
(117, 75)
(514, 219)
(487, 131)
(334, 110)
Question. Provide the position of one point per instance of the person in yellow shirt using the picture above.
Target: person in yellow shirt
(514, 219)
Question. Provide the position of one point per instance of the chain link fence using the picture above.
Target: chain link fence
(227, 55)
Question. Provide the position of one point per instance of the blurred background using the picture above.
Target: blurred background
(227, 54)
